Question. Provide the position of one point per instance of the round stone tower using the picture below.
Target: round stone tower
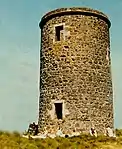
(75, 71)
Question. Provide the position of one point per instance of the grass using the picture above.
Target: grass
(15, 141)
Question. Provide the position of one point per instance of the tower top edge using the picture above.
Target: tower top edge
(73, 10)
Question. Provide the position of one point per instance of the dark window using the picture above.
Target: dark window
(58, 30)
(58, 110)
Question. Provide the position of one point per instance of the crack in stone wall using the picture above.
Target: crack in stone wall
(76, 70)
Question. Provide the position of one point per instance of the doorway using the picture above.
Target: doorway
(58, 110)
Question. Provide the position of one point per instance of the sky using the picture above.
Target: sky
(19, 56)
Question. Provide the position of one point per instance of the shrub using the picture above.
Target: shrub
(16, 134)
(118, 132)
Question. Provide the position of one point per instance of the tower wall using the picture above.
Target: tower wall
(75, 71)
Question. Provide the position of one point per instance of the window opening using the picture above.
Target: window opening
(58, 110)
(58, 30)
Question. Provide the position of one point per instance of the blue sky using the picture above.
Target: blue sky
(19, 56)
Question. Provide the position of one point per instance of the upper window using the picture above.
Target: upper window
(58, 32)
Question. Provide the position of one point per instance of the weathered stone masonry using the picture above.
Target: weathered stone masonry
(75, 71)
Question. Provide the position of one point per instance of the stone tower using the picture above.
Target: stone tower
(75, 71)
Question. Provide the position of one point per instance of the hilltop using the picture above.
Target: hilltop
(16, 141)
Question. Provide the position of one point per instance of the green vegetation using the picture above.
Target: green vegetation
(16, 141)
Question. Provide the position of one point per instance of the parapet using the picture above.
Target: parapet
(71, 11)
